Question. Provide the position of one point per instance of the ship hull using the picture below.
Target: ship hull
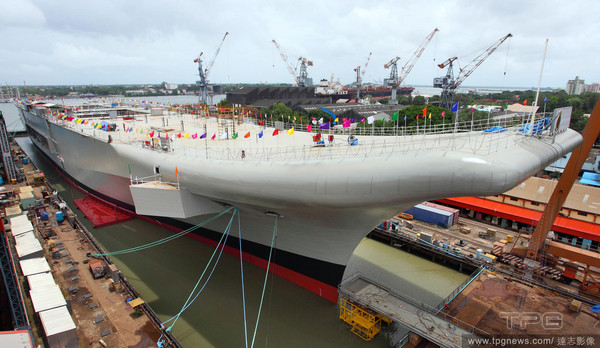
(325, 206)
(318, 276)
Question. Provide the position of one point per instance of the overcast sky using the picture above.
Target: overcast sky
(119, 42)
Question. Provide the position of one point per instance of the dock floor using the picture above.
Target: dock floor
(405, 312)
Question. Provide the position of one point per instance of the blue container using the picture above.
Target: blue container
(1, 181)
(25, 160)
(44, 215)
(431, 215)
(59, 216)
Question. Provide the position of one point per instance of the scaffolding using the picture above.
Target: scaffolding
(365, 323)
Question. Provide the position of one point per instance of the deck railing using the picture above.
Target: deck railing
(388, 141)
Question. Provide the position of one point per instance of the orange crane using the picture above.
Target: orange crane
(396, 80)
(538, 245)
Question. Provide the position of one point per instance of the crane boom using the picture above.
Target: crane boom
(411, 62)
(212, 62)
(448, 83)
(360, 74)
(290, 68)
(203, 73)
(469, 68)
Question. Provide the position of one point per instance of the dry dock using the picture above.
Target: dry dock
(100, 308)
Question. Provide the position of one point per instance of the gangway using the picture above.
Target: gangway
(410, 313)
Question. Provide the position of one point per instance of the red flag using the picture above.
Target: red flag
(179, 135)
(525, 102)
(275, 132)
(425, 112)
(247, 135)
(176, 172)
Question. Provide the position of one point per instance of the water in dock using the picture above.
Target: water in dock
(291, 316)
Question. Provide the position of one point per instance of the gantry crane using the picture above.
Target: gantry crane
(394, 81)
(203, 82)
(360, 74)
(301, 79)
(448, 84)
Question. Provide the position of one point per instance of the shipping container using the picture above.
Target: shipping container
(455, 212)
(431, 215)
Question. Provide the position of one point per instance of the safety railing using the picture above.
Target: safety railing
(372, 141)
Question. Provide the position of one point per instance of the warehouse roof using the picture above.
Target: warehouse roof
(47, 298)
(34, 266)
(56, 320)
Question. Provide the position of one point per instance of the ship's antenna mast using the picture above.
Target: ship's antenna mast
(203, 82)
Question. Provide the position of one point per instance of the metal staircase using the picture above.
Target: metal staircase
(9, 166)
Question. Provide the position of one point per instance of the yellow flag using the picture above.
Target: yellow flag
(336, 119)
(430, 115)
(186, 135)
(290, 131)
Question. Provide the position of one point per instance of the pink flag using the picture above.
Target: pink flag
(472, 110)
(309, 128)
(443, 113)
(194, 136)
(363, 120)
(346, 123)
(167, 136)
(213, 137)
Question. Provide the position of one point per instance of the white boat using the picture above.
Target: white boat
(328, 195)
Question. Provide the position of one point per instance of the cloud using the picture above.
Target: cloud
(126, 42)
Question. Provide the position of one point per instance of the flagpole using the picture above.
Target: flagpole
(538, 89)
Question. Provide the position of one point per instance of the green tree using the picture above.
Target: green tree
(418, 100)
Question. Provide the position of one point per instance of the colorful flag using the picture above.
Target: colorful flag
(545, 99)
(472, 110)
(425, 112)
(235, 135)
(370, 119)
(443, 113)
(525, 102)
(214, 136)
(151, 134)
(455, 107)
(321, 120)
(395, 116)
(203, 136)
(179, 135)
(247, 135)
(290, 131)
(223, 136)
(404, 117)
(167, 136)
(430, 115)
(336, 119)
(275, 132)
(309, 128)
(260, 135)
(194, 136)
(176, 172)
(324, 126)
(363, 120)
(186, 135)
(346, 124)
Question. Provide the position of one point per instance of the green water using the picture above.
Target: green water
(291, 316)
